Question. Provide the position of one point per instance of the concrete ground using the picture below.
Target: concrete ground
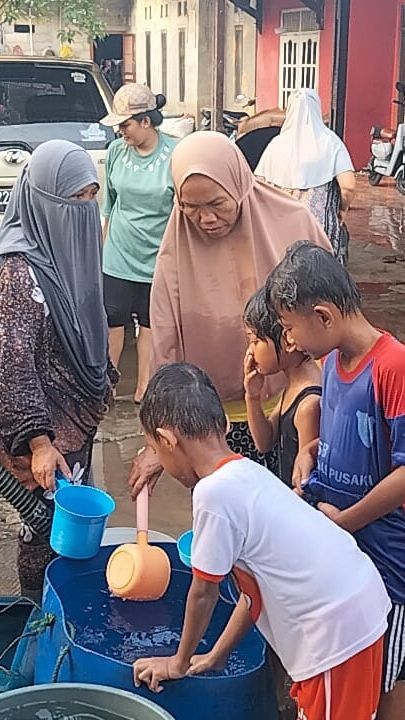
(377, 261)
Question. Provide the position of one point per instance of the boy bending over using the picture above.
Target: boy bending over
(316, 598)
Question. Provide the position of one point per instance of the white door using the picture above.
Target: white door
(299, 53)
(299, 64)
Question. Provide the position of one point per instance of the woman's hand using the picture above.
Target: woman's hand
(146, 469)
(347, 184)
(342, 215)
(253, 380)
(45, 461)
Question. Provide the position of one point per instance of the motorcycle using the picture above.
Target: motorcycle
(230, 118)
(388, 150)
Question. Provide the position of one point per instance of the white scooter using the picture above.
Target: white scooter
(388, 150)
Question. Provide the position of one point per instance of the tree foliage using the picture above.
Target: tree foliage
(76, 17)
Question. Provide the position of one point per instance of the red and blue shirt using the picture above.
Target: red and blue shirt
(362, 440)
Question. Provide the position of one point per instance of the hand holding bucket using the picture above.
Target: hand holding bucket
(80, 517)
(139, 571)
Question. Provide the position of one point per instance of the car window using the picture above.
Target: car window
(35, 93)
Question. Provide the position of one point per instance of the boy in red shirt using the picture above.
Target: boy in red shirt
(359, 478)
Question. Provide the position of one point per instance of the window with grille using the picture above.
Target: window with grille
(182, 65)
(299, 53)
(297, 21)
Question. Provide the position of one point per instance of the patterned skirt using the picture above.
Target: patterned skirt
(240, 441)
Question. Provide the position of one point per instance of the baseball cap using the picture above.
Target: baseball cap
(130, 100)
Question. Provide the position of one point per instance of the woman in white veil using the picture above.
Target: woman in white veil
(312, 164)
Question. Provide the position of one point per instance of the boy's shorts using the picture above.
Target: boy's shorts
(394, 649)
(350, 691)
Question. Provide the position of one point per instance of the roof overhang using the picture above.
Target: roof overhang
(254, 8)
(318, 6)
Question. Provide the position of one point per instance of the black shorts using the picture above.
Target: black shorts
(124, 298)
(394, 649)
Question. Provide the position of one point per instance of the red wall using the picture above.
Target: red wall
(370, 78)
(268, 52)
(394, 108)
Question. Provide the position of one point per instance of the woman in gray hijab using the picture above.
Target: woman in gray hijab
(54, 371)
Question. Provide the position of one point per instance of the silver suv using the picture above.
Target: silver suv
(47, 98)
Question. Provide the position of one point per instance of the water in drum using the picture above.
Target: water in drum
(128, 630)
(74, 710)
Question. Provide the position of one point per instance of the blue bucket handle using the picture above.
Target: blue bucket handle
(61, 481)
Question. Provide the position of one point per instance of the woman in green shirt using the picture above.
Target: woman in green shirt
(138, 202)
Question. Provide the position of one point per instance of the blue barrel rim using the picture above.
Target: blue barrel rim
(103, 689)
(219, 675)
(104, 495)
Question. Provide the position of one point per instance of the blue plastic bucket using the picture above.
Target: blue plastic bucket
(184, 547)
(79, 520)
(228, 590)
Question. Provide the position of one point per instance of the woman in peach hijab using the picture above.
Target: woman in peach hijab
(226, 233)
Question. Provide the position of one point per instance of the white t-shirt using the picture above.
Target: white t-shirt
(316, 598)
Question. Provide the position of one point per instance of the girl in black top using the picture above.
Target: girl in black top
(295, 420)
(293, 423)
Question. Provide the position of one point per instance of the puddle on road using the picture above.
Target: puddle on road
(388, 223)
(370, 288)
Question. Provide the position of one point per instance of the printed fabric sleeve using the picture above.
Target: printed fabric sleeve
(217, 545)
(110, 194)
(389, 385)
(23, 411)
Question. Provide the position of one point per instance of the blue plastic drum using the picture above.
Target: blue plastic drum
(96, 637)
(79, 520)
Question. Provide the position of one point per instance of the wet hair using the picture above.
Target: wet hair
(263, 320)
(182, 397)
(308, 275)
(155, 116)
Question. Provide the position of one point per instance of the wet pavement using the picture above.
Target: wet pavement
(377, 261)
(377, 253)
(118, 441)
